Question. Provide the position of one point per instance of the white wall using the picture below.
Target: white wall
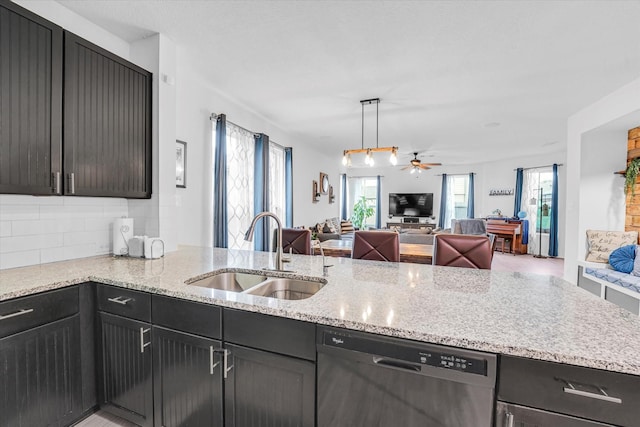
(492, 175)
(195, 101)
(623, 105)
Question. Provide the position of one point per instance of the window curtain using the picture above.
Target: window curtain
(220, 217)
(529, 204)
(517, 203)
(241, 147)
(443, 202)
(343, 197)
(288, 186)
(553, 226)
(378, 204)
(261, 190)
(471, 198)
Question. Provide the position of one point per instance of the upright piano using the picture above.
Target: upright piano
(508, 230)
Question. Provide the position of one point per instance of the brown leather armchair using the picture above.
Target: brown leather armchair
(296, 239)
(463, 250)
(376, 245)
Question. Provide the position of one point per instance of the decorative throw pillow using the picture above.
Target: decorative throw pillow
(622, 259)
(636, 263)
(328, 228)
(334, 223)
(600, 244)
(346, 227)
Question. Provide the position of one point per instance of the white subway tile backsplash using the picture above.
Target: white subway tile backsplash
(24, 243)
(85, 237)
(19, 259)
(95, 224)
(27, 228)
(47, 212)
(19, 199)
(36, 230)
(84, 201)
(115, 211)
(5, 228)
(18, 212)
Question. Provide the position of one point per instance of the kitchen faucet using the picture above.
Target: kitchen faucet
(249, 236)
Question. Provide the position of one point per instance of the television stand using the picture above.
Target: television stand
(398, 226)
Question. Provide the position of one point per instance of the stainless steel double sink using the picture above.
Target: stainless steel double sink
(261, 285)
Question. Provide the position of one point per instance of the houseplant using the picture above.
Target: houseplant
(361, 211)
(630, 176)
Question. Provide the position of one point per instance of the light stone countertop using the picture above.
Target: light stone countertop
(528, 315)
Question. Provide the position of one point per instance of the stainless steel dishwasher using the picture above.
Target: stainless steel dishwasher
(369, 380)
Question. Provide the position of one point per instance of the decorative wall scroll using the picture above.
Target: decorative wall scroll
(501, 192)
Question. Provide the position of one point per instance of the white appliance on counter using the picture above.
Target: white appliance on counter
(122, 233)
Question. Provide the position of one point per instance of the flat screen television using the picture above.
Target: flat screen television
(411, 204)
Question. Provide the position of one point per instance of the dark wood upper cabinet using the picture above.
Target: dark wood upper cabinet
(107, 123)
(30, 102)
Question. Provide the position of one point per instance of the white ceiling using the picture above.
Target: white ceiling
(445, 70)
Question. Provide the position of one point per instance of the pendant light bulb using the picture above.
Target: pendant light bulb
(349, 161)
(394, 158)
(344, 159)
(371, 162)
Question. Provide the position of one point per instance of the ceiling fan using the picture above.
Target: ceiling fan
(416, 165)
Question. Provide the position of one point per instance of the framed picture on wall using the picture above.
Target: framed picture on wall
(181, 164)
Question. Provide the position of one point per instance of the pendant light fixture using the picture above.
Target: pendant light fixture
(368, 160)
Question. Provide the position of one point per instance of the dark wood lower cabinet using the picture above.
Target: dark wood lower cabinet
(187, 379)
(268, 389)
(125, 370)
(40, 376)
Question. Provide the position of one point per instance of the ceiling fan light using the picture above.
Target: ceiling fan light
(413, 170)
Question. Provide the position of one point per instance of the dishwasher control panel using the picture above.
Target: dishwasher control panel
(427, 354)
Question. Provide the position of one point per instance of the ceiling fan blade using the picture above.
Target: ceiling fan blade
(406, 167)
(431, 164)
(423, 166)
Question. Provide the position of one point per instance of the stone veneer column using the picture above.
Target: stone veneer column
(632, 215)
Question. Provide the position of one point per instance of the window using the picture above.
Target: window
(460, 188)
(543, 210)
(363, 186)
(457, 198)
(277, 200)
(241, 179)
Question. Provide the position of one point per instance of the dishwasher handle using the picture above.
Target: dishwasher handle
(392, 363)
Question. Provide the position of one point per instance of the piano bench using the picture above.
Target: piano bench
(503, 241)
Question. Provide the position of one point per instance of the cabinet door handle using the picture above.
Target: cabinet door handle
(16, 314)
(212, 364)
(142, 343)
(508, 420)
(119, 300)
(72, 183)
(602, 396)
(227, 368)
(57, 185)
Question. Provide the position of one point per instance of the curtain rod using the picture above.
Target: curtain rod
(538, 167)
(456, 174)
(362, 176)
(214, 117)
